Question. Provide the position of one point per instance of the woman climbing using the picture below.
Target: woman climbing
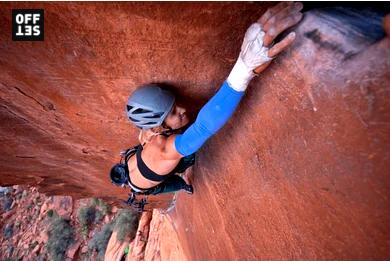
(165, 149)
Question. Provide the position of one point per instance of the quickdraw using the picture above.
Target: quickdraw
(137, 205)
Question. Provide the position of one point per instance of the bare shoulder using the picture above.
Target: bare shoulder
(169, 151)
(164, 148)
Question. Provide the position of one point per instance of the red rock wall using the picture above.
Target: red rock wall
(300, 172)
(63, 100)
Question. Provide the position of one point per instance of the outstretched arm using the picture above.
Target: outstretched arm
(214, 114)
(254, 57)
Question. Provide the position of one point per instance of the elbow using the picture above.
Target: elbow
(192, 140)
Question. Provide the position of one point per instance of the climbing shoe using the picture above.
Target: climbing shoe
(189, 189)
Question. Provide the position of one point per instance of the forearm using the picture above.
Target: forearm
(219, 108)
(213, 115)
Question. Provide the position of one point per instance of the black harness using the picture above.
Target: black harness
(139, 205)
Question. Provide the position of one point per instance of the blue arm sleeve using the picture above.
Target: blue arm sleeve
(213, 115)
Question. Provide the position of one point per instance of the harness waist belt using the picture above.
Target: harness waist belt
(135, 188)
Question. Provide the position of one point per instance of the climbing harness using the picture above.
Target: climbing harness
(137, 205)
(120, 177)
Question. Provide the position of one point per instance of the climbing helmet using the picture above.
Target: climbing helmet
(149, 105)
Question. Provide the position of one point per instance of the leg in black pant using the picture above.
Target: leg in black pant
(171, 184)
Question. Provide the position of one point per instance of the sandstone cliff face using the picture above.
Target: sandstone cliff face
(63, 100)
(300, 172)
(26, 226)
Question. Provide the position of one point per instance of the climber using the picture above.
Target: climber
(166, 147)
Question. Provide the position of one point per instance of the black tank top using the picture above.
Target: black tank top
(148, 173)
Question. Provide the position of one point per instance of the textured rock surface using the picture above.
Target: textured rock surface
(300, 172)
(115, 248)
(62, 100)
(25, 226)
(141, 239)
(163, 242)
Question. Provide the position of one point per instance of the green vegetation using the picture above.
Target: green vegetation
(8, 231)
(100, 240)
(50, 213)
(86, 217)
(126, 224)
(61, 236)
(93, 213)
(105, 208)
(98, 216)
(7, 204)
(94, 202)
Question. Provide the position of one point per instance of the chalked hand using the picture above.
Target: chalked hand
(257, 50)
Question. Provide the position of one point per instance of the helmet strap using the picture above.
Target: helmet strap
(146, 136)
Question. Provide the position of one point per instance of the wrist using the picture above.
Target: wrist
(240, 76)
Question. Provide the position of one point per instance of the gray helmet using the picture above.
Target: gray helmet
(148, 106)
